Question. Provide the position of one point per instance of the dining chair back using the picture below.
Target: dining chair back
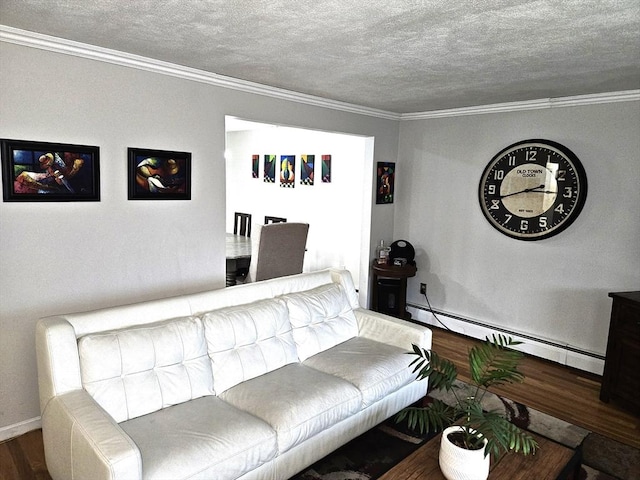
(242, 224)
(277, 250)
(268, 220)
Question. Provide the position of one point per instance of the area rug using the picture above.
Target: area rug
(370, 455)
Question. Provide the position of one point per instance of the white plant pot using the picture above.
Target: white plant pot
(459, 463)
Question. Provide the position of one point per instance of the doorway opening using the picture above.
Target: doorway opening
(337, 206)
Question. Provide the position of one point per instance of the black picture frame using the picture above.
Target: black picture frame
(385, 182)
(159, 174)
(49, 172)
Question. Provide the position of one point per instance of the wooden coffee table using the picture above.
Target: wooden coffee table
(551, 461)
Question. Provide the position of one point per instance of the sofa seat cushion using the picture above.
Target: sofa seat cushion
(201, 439)
(138, 370)
(297, 401)
(246, 341)
(321, 318)
(377, 369)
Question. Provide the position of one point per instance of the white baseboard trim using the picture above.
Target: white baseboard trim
(17, 429)
(538, 347)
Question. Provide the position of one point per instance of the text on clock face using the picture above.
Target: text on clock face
(529, 173)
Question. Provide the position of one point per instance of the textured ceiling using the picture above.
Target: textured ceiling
(395, 55)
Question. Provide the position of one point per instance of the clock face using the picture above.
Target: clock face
(533, 189)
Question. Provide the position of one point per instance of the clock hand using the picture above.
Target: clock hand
(526, 190)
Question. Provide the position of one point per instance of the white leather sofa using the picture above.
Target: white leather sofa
(256, 381)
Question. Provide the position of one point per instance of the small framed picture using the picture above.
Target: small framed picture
(270, 169)
(49, 172)
(307, 169)
(159, 175)
(287, 171)
(386, 176)
(326, 168)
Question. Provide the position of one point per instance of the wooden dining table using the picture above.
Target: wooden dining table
(238, 255)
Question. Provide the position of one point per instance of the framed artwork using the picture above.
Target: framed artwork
(287, 169)
(326, 168)
(255, 164)
(306, 169)
(49, 172)
(270, 168)
(385, 182)
(159, 175)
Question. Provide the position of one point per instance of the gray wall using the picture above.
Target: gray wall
(555, 289)
(63, 257)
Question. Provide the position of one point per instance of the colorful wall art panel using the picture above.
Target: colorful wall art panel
(287, 169)
(326, 168)
(270, 168)
(159, 174)
(306, 169)
(385, 182)
(255, 165)
(49, 172)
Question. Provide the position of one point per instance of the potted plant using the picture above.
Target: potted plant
(492, 362)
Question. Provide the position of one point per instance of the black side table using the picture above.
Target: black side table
(390, 289)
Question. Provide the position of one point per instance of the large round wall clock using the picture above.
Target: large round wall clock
(533, 189)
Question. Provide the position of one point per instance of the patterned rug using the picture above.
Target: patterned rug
(376, 451)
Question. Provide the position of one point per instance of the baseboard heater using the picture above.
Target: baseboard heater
(555, 351)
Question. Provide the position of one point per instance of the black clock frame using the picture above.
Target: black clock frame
(575, 202)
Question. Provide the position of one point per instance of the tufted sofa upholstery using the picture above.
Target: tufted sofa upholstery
(256, 381)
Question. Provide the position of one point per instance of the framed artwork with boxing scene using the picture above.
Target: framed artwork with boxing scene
(49, 172)
(159, 175)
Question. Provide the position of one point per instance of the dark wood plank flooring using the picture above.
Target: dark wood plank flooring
(22, 458)
(562, 392)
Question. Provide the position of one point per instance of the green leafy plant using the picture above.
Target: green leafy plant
(493, 362)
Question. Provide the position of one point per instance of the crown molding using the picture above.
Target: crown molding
(573, 101)
(69, 47)
(92, 52)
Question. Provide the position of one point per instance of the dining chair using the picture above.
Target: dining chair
(277, 250)
(242, 224)
(268, 220)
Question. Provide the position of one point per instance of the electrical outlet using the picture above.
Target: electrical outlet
(423, 288)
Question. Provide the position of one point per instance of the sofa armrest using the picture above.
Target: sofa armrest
(57, 355)
(393, 331)
(82, 441)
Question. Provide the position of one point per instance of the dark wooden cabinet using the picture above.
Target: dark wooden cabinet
(621, 378)
(390, 289)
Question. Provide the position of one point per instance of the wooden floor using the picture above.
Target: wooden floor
(22, 458)
(562, 392)
(569, 394)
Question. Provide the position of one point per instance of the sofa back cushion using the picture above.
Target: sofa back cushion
(139, 370)
(246, 341)
(321, 318)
